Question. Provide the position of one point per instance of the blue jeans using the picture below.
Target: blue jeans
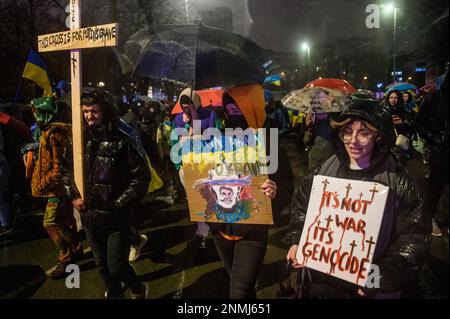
(5, 171)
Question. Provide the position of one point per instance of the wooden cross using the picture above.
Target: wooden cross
(74, 40)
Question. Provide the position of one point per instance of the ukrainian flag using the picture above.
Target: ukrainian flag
(36, 71)
(274, 79)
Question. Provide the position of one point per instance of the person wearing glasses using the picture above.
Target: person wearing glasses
(366, 135)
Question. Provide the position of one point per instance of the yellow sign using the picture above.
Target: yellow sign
(104, 35)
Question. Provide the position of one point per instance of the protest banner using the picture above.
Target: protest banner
(90, 37)
(75, 39)
(342, 225)
(224, 186)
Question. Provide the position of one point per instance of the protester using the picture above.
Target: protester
(5, 224)
(54, 164)
(242, 247)
(319, 136)
(402, 126)
(190, 103)
(433, 126)
(408, 102)
(366, 136)
(117, 178)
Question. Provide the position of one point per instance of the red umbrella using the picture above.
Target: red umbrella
(331, 83)
(211, 97)
(18, 125)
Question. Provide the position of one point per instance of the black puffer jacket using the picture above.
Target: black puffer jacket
(433, 121)
(116, 178)
(404, 238)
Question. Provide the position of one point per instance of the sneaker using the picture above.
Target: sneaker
(135, 251)
(145, 290)
(200, 242)
(108, 295)
(59, 271)
(436, 231)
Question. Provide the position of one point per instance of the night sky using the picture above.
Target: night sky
(282, 24)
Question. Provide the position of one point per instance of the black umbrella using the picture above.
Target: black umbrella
(201, 56)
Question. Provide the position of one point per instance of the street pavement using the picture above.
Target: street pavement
(170, 263)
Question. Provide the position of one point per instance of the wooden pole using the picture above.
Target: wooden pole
(77, 116)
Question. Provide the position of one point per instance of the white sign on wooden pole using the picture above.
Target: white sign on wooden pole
(91, 37)
(76, 39)
(77, 116)
(341, 227)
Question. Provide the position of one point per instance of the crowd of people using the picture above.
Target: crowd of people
(127, 155)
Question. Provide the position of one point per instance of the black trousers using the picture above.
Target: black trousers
(243, 260)
(110, 251)
(438, 177)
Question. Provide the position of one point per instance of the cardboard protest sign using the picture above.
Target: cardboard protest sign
(91, 37)
(224, 186)
(342, 226)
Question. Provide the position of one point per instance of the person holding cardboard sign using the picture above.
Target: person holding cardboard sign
(363, 154)
(242, 247)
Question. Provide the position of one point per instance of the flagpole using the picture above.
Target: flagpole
(18, 90)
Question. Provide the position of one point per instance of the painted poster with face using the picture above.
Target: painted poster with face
(228, 190)
(341, 229)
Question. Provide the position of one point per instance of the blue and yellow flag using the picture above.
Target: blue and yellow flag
(274, 79)
(36, 71)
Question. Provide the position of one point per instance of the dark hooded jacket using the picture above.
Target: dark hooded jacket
(404, 238)
(433, 121)
(116, 174)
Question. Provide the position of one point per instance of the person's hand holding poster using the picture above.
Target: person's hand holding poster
(342, 226)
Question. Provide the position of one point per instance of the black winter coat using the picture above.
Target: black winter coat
(116, 178)
(404, 238)
(433, 121)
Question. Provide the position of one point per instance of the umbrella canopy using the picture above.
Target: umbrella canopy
(316, 100)
(400, 86)
(331, 83)
(211, 97)
(363, 94)
(200, 56)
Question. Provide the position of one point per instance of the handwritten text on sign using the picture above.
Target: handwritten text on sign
(341, 228)
(91, 37)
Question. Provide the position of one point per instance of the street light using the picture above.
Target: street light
(187, 10)
(306, 47)
(391, 8)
